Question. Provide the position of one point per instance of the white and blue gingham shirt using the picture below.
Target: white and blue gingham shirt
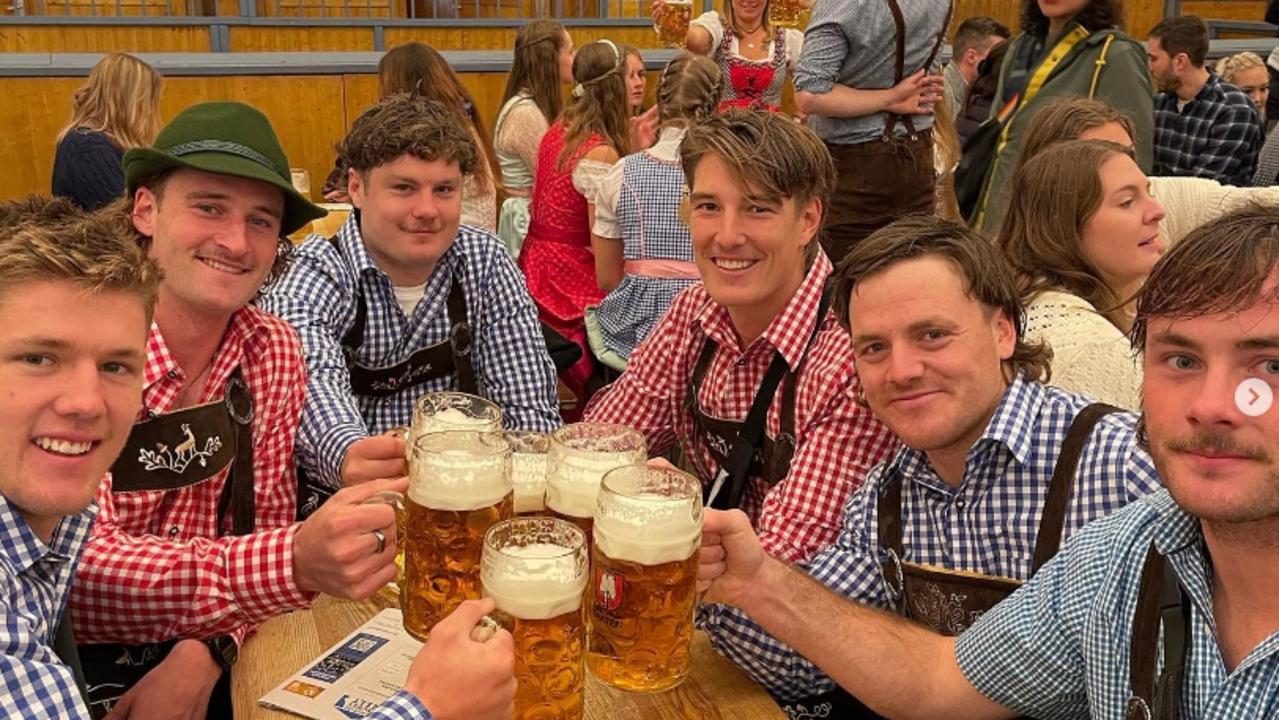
(1059, 647)
(36, 579)
(986, 525)
(317, 297)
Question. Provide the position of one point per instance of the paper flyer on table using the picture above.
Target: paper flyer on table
(352, 678)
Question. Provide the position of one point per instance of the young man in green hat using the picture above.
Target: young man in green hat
(195, 543)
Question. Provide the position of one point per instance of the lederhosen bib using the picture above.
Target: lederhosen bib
(424, 364)
(949, 601)
(170, 452)
(1160, 598)
(742, 449)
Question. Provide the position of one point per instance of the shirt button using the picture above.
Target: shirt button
(960, 503)
(172, 374)
(173, 531)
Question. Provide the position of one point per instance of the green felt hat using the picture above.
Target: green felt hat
(228, 138)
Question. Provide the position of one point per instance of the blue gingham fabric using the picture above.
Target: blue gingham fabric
(34, 581)
(986, 525)
(1059, 647)
(648, 213)
(1217, 135)
(317, 297)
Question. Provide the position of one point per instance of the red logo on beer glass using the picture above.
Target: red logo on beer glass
(608, 589)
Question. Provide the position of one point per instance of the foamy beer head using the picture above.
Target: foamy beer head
(460, 470)
(648, 515)
(528, 469)
(579, 456)
(438, 411)
(535, 568)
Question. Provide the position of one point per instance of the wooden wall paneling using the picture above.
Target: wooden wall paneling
(35, 109)
(503, 38)
(252, 38)
(1225, 9)
(103, 38)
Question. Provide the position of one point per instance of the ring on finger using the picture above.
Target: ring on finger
(381, 541)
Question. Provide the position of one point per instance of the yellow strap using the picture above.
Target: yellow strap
(1101, 62)
(1063, 47)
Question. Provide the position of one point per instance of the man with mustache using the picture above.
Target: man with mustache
(1083, 637)
(997, 467)
(196, 543)
(405, 300)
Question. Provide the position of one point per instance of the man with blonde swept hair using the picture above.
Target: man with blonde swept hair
(76, 299)
(748, 373)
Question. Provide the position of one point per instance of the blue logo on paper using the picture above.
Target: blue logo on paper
(353, 707)
(333, 666)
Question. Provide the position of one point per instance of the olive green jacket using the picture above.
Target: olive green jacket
(1124, 82)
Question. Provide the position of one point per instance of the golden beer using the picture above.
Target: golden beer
(648, 527)
(459, 487)
(534, 569)
(671, 22)
(787, 14)
(579, 456)
(528, 470)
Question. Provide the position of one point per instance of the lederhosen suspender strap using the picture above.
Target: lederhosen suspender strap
(1160, 600)
(729, 485)
(1062, 485)
(417, 368)
(1052, 519)
(899, 70)
(157, 457)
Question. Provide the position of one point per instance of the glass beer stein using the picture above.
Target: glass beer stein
(535, 570)
(579, 456)
(528, 470)
(648, 528)
(459, 487)
(671, 22)
(787, 14)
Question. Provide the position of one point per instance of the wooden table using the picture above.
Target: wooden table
(715, 688)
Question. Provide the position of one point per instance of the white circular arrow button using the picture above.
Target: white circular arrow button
(1254, 397)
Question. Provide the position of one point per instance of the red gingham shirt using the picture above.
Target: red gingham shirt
(155, 568)
(837, 440)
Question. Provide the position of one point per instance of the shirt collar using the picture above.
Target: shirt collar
(1176, 530)
(351, 244)
(1012, 426)
(245, 326)
(667, 146)
(789, 332)
(22, 549)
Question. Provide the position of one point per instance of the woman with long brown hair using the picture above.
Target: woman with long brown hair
(418, 69)
(1082, 231)
(117, 109)
(541, 67)
(576, 152)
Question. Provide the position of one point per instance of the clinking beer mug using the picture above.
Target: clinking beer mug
(579, 456)
(670, 20)
(648, 528)
(535, 570)
(787, 13)
(528, 469)
(459, 487)
(450, 410)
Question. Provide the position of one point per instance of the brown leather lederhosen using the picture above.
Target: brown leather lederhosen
(881, 180)
(949, 601)
(424, 364)
(171, 452)
(770, 458)
(1160, 601)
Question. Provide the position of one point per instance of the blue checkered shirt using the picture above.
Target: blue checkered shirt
(1059, 647)
(1217, 135)
(986, 525)
(36, 579)
(317, 297)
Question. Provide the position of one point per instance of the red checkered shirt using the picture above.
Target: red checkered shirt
(837, 440)
(155, 567)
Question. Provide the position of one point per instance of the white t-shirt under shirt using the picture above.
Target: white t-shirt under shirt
(409, 297)
(713, 24)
